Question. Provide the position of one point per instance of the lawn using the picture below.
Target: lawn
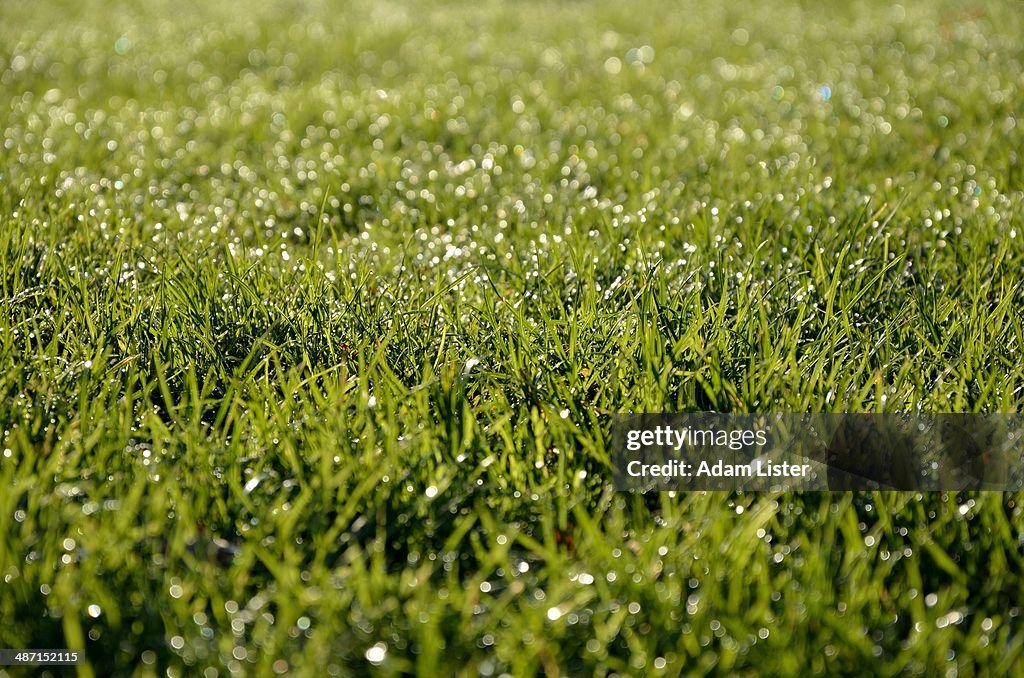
(314, 317)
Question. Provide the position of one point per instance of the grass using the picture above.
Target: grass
(313, 317)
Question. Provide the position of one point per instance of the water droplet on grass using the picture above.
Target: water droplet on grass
(377, 654)
(253, 483)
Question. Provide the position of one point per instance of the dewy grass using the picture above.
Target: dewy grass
(313, 317)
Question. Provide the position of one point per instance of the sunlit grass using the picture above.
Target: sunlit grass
(313, 317)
